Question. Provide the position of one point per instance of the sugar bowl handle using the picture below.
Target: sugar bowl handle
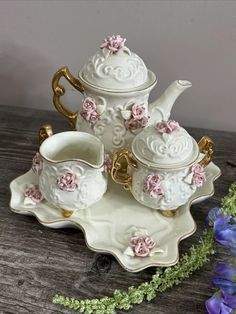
(206, 146)
(121, 162)
(59, 91)
(44, 132)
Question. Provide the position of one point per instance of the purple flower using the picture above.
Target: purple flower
(213, 214)
(221, 303)
(225, 278)
(225, 232)
(167, 126)
(114, 43)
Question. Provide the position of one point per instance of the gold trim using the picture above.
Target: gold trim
(206, 146)
(44, 132)
(59, 91)
(66, 212)
(119, 172)
(168, 213)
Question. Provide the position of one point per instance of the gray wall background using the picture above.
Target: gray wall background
(193, 40)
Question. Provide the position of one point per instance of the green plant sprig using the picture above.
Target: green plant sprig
(163, 278)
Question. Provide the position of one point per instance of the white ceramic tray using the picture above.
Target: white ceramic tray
(108, 225)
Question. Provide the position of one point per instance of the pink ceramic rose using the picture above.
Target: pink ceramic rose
(152, 185)
(142, 245)
(67, 182)
(89, 112)
(199, 175)
(37, 163)
(114, 43)
(149, 242)
(138, 118)
(138, 112)
(107, 163)
(34, 194)
(167, 126)
(89, 104)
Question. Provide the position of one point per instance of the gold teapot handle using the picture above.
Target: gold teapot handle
(206, 146)
(59, 91)
(44, 132)
(119, 172)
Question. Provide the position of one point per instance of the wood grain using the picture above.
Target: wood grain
(37, 262)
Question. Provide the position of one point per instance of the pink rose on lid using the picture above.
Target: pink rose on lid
(152, 185)
(37, 163)
(34, 194)
(142, 245)
(114, 43)
(89, 112)
(167, 126)
(199, 175)
(66, 182)
(138, 119)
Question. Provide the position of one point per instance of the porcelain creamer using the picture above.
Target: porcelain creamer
(70, 166)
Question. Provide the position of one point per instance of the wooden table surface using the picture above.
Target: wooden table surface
(37, 262)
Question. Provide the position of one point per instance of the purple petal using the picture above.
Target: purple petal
(225, 236)
(226, 271)
(230, 300)
(213, 214)
(224, 309)
(224, 284)
(213, 305)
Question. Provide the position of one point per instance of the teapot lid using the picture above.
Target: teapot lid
(165, 145)
(115, 67)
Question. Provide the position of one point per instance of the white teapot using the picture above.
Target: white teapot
(115, 84)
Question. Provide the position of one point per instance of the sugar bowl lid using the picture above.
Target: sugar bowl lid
(115, 67)
(165, 145)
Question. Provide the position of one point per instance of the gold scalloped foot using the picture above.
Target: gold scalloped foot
(168, 213)
(66, 213)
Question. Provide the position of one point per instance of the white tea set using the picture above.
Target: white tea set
(119, 139)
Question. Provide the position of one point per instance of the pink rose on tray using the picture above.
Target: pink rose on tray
(152, 185)
(167, 126)
(114, 43)
(107, 163)
(67, 182)
(37, 163)
(34, 194)
(199, 175)
(138, 118)
(142, 245)
(89, 112)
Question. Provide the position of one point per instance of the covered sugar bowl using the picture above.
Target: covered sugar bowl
(163, 166)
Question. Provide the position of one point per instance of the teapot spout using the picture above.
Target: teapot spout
(160, 109)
